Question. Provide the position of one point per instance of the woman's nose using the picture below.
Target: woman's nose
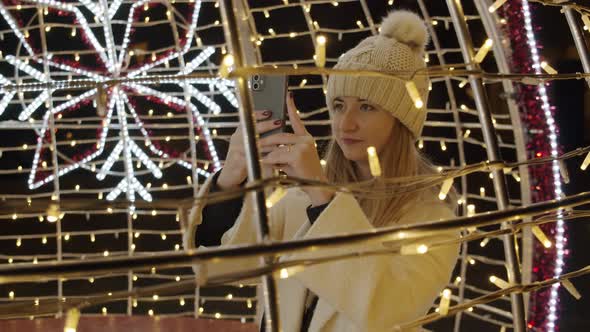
(348, 122)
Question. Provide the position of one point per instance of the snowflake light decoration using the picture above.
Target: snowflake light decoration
(117, 103)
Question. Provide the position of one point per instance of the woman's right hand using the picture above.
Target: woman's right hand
(234, 170)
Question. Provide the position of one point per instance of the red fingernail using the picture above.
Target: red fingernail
(278, 122)
(267, 113)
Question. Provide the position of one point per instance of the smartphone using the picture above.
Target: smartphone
(269, 93)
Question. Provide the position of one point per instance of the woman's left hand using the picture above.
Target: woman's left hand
(297, 155)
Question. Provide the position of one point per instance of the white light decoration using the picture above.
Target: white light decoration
(559, 225)
(113, 56)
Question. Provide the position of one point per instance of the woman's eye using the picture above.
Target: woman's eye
(367, 107)
(338, 107)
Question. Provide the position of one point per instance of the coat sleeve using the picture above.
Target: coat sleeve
(378, 292)
(242, 232)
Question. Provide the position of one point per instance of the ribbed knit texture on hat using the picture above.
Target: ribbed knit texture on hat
(399, 46)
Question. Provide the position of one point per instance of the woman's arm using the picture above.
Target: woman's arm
(217, 218)
(377, 292)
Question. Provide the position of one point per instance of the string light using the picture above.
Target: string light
(483, 51)
(540, 235)
(444, 190)
(275, 197)
(374, 164)
(413, 92)
(586, 162)
(445, 300)
(226, 65)
(72, 319)
(586, 21)
(547, 68)
(500, 283)
(320, 51)
(413, 249)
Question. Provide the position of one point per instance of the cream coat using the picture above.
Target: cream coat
(361, 294)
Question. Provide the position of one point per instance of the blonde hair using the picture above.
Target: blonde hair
(398, 159)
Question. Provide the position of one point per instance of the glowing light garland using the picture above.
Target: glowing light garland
(117, 99)
(549, 319)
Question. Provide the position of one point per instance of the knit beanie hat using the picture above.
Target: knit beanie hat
(398, 46)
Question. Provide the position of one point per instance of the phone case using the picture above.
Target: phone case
(269, 93)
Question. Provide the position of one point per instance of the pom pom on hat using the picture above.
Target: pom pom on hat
(407, 28)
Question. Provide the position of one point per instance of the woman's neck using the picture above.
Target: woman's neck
(363, 170)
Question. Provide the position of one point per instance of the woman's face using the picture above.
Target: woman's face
(358, 124)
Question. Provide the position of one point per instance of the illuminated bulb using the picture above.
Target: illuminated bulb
(229, 296)
(500, 283)
(226, 64)
(548, 69)
(105, 253)
(153, 270)
(484, 242)
(323, 162)
(67, 237)
(445, 300)
(151, 312)
(497, 4)
(53, 213)
(540, 235)
(586, 162)
(165, 185)
(374, 164)
(426, 58)
(284, 274)
(77, 188)
(272, 32)
(420, 144)
(163, 236)
(443, 146)
(360, 24)
(471, 261)
(134, 303)
(266, 13)
(470, 210)
(135, 278)
(154, 212)
(155, 297)
(466, 133)
(177, 278)
(413, 92)
(516, 176)
(463, 83)
(201, 310)
(182, 301)
(482, 191)
(19, 242)
(483, 51)
(217, 315)
(11, 295)
(303, 82)
(413, 249)
(586, 21)
(275, 197)
(457, 281)
(44, 240)
(444, 189)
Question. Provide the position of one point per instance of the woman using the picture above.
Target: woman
(372, 293)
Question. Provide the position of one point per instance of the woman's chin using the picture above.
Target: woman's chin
(355, 154)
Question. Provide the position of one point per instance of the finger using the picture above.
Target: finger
(268, 125)
(278, 157)
(282, 138)
(262, 114)
(296, 123)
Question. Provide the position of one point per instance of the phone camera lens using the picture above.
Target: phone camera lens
(256, 77)
(255, 86)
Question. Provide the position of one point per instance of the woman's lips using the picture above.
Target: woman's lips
(349, 141)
